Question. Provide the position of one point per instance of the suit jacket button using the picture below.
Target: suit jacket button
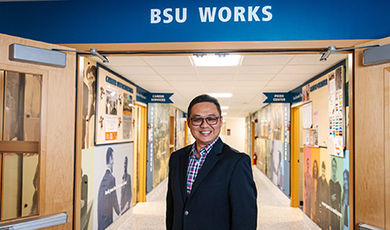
(186, 213)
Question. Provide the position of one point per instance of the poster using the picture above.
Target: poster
(306, 113)
(115, 104)
(336, 113)
(113, 183)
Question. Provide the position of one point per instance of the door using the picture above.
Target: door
(37, 135)
(371, 158)
(141, 151)
(295, 151)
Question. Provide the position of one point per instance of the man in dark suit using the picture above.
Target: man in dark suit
(107, 199)
(210, 185)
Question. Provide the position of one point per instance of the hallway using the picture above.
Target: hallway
(273, 206)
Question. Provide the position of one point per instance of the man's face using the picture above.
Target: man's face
(204, 133)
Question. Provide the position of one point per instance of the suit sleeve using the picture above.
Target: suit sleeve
(169, 208)
(243, 196)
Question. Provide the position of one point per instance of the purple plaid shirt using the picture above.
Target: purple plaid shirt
(195, 164)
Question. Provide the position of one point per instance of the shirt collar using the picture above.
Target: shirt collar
(204, 151)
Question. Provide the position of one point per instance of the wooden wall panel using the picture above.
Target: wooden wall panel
(369, 141)
(57, 127)
(387, 147)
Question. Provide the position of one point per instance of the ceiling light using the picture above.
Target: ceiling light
(224, 107)
(220, 95)
(216, 60)
(224, 113)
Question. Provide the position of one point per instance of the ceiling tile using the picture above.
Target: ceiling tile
(254, 77)
(133, 70)
(174, 70)
(266, 59)
(167, 60)
(216, 70)
(304, 69)
(124, 60)
(260, 69)
(179, 77)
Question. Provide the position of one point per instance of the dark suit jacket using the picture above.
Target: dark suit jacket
(223, 195)
(107, 201)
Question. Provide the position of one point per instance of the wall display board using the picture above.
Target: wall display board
(115, 105)
(113, 183)
(326, 164)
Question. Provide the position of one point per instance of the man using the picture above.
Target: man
(335, 197)
(210, 184)
(126, 189)
(107, 199)
(323, 195)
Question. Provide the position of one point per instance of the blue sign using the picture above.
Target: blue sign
(279, 97)
(123, 21)
(160, 98)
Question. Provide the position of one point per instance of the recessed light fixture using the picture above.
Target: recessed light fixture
(220, 95)
(224, 107)
(216, 60)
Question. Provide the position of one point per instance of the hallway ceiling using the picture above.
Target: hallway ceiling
(247, 82)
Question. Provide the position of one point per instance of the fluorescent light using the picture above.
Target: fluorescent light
(224, 107)
(216, 60)
(220, 94)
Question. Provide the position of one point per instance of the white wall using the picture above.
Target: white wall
(236, 139)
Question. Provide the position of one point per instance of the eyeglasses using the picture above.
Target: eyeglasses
(198, 121)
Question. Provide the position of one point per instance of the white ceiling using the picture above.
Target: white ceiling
(257, 74)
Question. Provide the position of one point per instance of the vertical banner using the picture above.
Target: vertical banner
(113, 183)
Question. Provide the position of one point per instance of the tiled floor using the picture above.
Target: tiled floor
(274, 210)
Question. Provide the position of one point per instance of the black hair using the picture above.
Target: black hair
(109, 155)
(204, 98)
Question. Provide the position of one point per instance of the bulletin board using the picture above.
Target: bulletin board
(115, 108)
(328, 115)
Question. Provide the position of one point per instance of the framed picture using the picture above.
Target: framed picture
(115, 105)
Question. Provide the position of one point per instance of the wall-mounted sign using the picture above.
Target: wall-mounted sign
(279, 97)
(198, 21)
(160, 98)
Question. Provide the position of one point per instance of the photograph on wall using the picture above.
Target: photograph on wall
(113, 187)
(305, 93)
(114, 121)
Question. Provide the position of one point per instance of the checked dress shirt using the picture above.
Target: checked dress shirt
(195, 164)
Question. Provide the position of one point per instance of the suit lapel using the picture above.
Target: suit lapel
(212, 158)
(183, 174)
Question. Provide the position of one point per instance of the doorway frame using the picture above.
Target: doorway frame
(265, 47)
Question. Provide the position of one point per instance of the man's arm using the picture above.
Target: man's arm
(243, 196)
(169, 211)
